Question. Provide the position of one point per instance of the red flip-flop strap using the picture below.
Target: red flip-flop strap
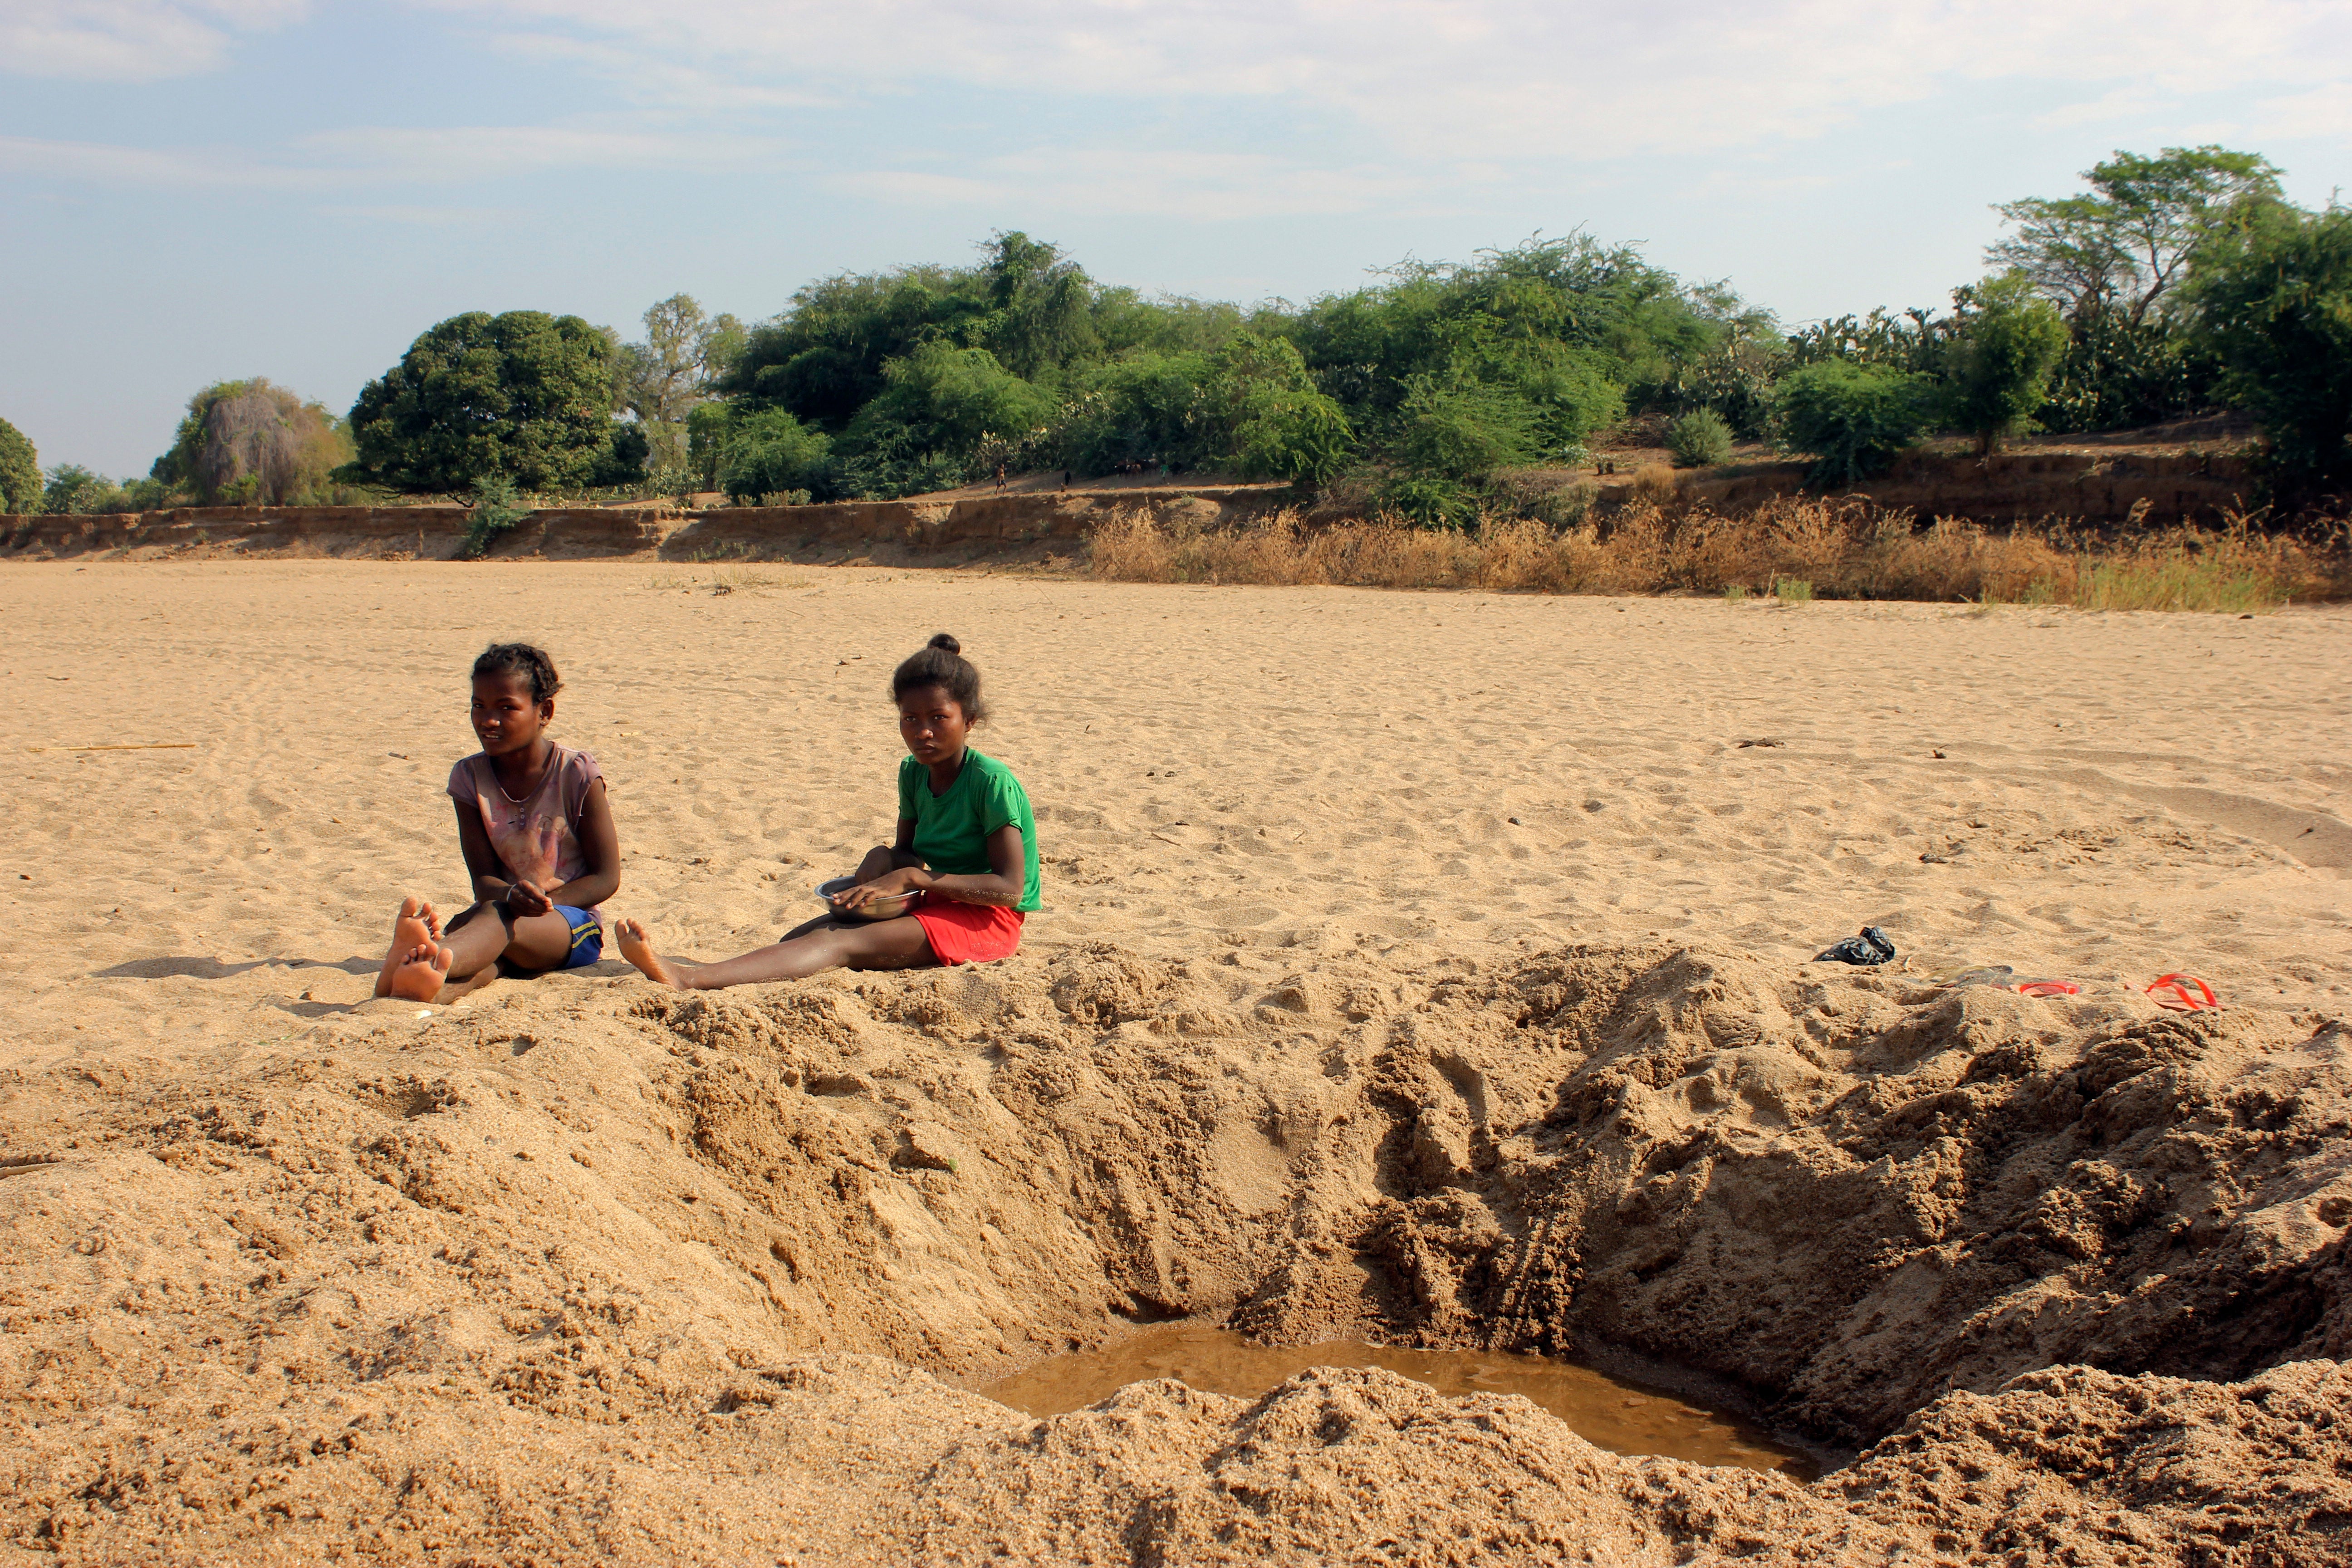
(2178, 986)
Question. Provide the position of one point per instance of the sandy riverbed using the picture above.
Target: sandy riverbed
(1402, 955)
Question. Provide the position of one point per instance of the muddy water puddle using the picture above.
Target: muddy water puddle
(1605, 1411)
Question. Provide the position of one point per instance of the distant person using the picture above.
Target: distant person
(1066, 479)
(999, 476)
(539, 842)
(967, 845)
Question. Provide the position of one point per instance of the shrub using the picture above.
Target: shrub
(1426, 500)
(1143, 408)
(1851, 419)
(1463, 433)
(72, 488)
(1997, 372)
(708, 426)
(20, 470)
(496, 512)
(1699, 438)
(2275, 306)
(939, 405)
(770, 451)
(1301, 436)
(676, 482)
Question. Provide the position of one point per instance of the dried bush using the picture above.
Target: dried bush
(1846, 547)
(1654, 485)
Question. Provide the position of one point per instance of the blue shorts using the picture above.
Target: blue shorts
(587, 937)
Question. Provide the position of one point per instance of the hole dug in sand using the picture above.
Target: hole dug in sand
(1611, 1413)
(2069, 1271)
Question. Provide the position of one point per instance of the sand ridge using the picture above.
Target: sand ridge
(1311, 1035)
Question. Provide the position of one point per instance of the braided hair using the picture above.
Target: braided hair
(941, 663)
(523, 661)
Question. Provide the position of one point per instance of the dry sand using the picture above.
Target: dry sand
(1424, 967)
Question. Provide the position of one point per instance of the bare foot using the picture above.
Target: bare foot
(637, 947)
(421, 972)
(414, 926)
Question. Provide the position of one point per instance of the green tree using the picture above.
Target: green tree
(1302, 436)
(822, 359)
(72, 488)
(1851, 418)
(1041, 315)
(1146, 407)
(708, 426)
(2274, 303)
(1563, 326)
(2129, 242)
(20, 470)
(255, 443)
(768, 451)
(2007, 345)
(525, 395)
(937, 407)
(2114, 259)
(665, 377)
(1465, 432)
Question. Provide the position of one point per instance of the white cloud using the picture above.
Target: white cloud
(1433, 99)
(2323, 112)
(462, 153)
(420, 216)
(377, 155)
(96, 163)
(1475, 78)
(130, 40)
(1208, 187)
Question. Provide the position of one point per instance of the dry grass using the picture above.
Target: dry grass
(1843, 549)
(727, 579)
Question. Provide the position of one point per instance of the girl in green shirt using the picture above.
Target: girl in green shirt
(966, 847)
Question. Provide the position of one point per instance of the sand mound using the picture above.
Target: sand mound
(582, 1271)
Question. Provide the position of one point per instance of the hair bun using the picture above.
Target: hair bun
(945, 643)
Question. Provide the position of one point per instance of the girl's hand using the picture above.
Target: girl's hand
(522, 901)
(907, 879)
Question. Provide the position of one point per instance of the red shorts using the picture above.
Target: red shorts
(969, 933)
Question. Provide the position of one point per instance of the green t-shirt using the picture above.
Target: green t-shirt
(952, 830)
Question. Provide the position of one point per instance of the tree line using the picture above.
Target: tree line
(2172, 284)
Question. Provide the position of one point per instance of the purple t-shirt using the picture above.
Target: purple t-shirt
(538, 837)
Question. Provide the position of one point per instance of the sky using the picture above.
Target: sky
(199, 190)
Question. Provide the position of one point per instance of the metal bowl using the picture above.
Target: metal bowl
(888, 909)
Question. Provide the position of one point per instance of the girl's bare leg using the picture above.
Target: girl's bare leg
(879, 860)
(463, 959)
(882, 944)
(479, 938)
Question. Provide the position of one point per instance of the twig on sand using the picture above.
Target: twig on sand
(159, 746)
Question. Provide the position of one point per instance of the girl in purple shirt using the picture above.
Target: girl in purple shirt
(538, 839)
